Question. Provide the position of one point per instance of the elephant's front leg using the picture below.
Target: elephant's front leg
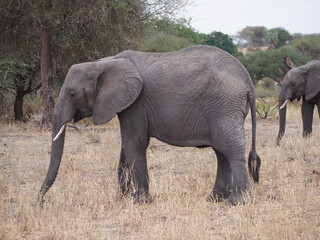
(124, 175)
(223, 182)
(307, 110)
(137, 162)
(135, 141)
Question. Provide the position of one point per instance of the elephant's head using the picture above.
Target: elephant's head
(99, 89)
(303, 81)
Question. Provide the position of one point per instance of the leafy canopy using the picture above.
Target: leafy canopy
(277, 37)
(308, 45)
(221, 40)
(271, 63)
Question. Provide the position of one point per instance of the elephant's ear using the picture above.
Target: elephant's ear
(312, 79)
(119, 85)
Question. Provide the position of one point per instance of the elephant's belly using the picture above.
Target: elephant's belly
(179, 135)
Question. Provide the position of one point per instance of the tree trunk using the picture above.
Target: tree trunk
(47, 103)
(288, 62)
(18, 105)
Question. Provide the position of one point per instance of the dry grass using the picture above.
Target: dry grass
(84, 204)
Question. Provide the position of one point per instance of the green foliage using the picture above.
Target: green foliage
(17, 77)
(277, 37)
(16, 72)
(222, 41)
(270, 63)
(169, 35)
(254, 36)
(78, 30)
(163, 43)
(81, 30)
(264, 107)
(183, 29)
(180, 28)
(267, 88)
(308, 45)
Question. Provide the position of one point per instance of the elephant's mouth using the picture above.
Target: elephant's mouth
(289, 99)
(295, 97)
(81, 113)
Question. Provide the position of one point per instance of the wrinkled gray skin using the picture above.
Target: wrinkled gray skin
(303, 81)
(198, 96)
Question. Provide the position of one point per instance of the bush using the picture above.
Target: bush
(267, 88)
(164, 43)
(265, 107)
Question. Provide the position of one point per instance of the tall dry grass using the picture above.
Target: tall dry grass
(84, 202)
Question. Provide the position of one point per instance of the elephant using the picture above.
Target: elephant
(300, 82)
(195, 97)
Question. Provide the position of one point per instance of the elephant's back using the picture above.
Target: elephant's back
(188, 61)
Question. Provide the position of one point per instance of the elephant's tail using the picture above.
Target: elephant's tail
(254, 161)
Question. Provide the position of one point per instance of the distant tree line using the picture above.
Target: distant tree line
(41, 39)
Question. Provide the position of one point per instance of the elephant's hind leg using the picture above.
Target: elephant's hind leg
(240, 177)
(222, 187)
(231, 148)
(124, 175)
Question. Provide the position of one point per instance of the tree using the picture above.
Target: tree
(163, 35)
(277, 37)
(182, 28)
(254, 36)
(308, 45)
(19, 58)
(47, 103)
(19, 78)
(271, 63)
(74, 31)
(220, 40)
(159, 42)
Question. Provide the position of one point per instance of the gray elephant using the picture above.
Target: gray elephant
(303, 81)
(198, 96)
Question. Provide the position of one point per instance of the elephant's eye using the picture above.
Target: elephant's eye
(72, 93)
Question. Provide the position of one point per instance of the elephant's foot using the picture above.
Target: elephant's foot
(236, 198)
(141, 197)
(218, 196)
(126, 190)
(307, 134)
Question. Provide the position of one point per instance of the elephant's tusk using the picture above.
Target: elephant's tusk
(284, 104)
(60, 132)
(275, 106)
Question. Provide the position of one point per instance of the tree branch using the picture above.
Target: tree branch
(30, 90)
(288, 62)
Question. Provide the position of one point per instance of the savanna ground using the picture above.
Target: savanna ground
(84, 204)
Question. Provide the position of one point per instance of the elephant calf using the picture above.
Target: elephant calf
(198, 96)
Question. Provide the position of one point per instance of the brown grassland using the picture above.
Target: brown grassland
(84, 203)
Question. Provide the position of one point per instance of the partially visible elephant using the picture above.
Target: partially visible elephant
(198, 96)
(303, 81)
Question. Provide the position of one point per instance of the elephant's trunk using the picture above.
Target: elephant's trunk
(282, 120)
(56, 155)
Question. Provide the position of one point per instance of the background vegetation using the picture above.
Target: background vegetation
(42, 39)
